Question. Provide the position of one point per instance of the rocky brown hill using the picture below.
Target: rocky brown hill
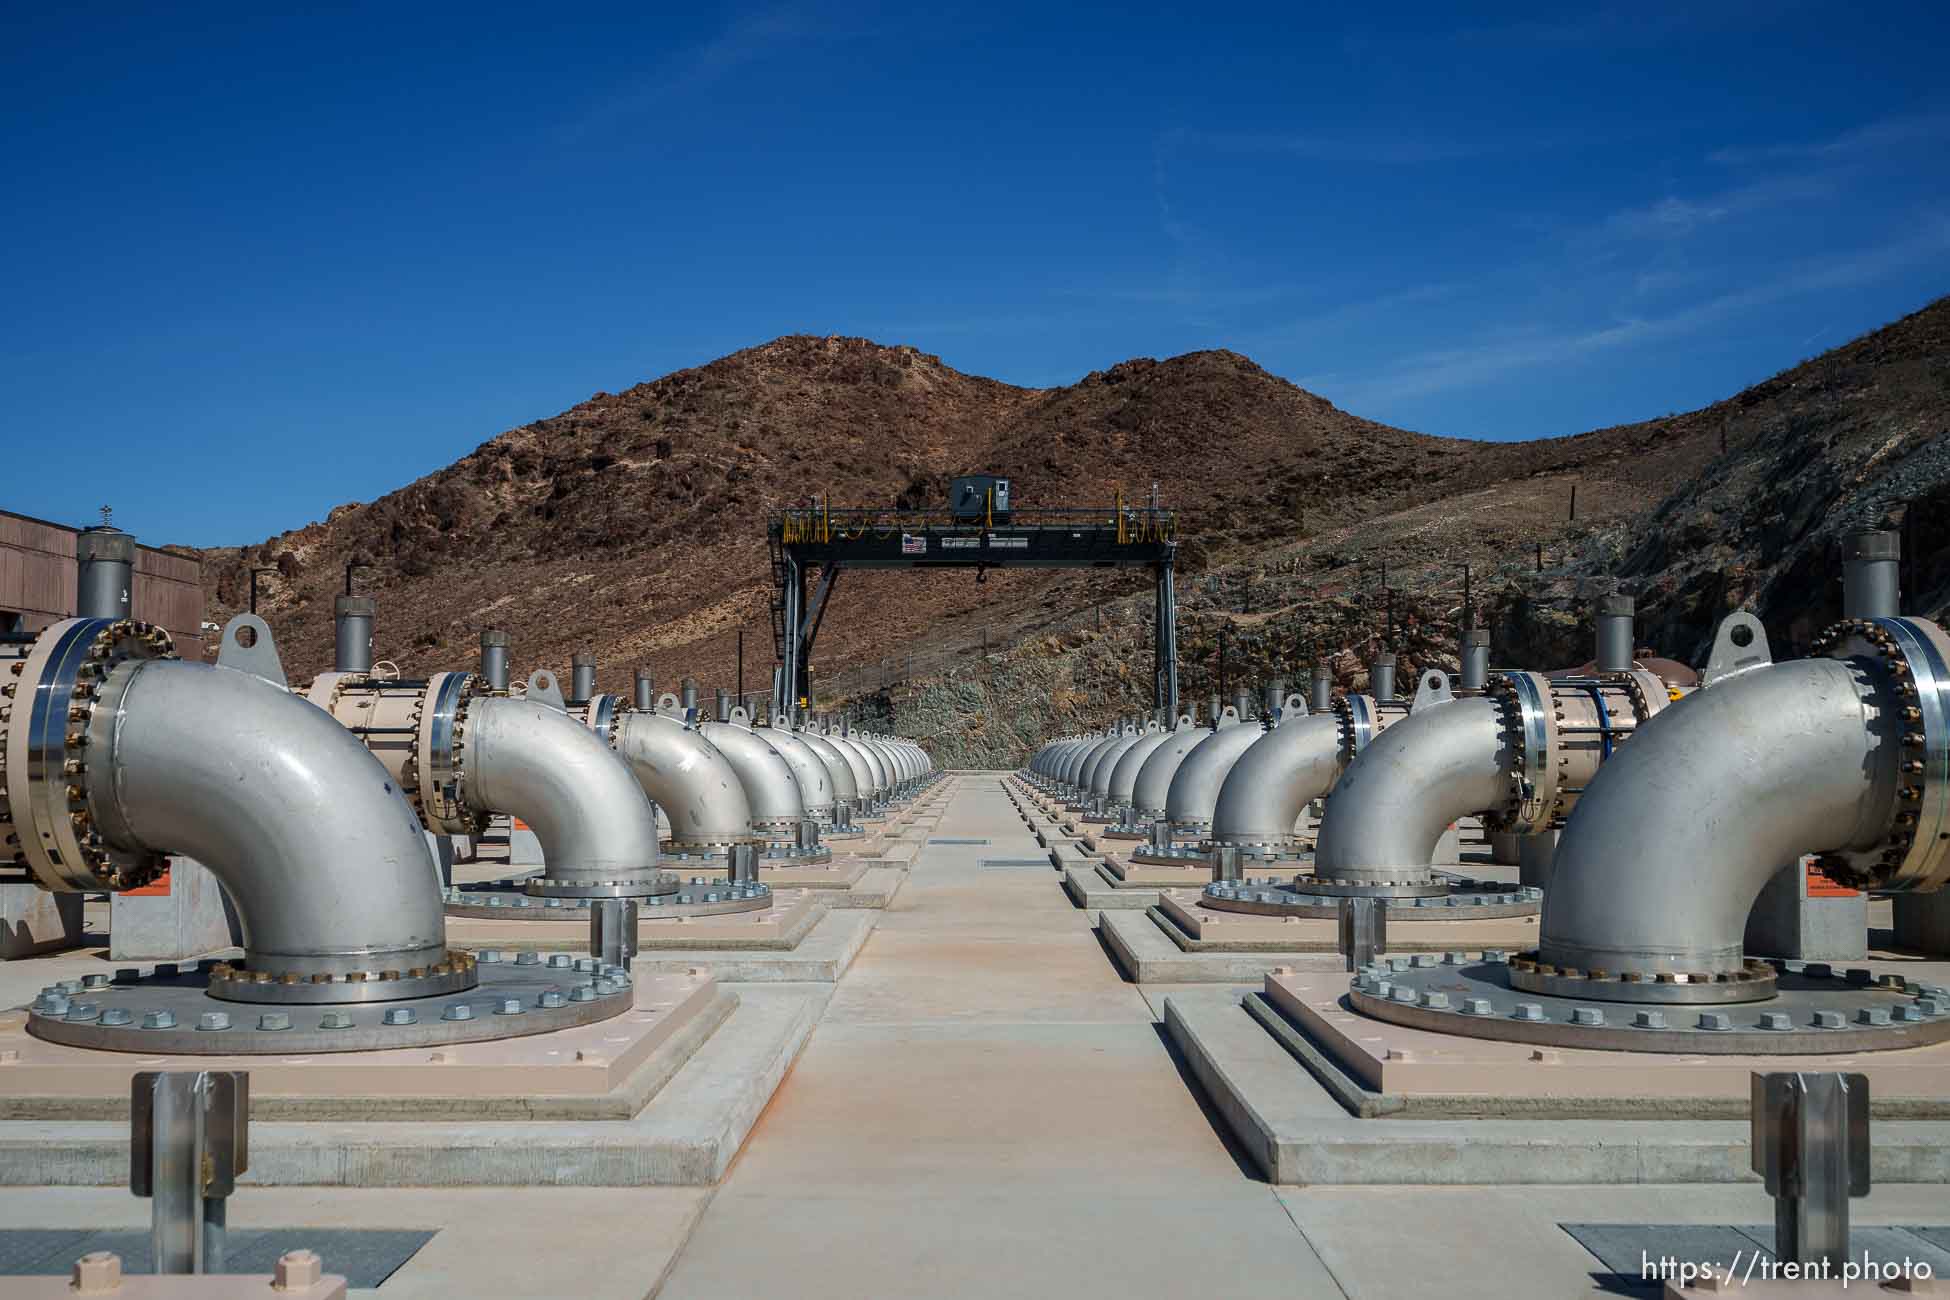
(633, 523)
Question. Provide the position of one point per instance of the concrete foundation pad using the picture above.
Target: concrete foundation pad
(1139, 875)
(1294, 1132)
(821, 957)
(847, 882)
(781, 926)
(686, 1135)
(1152, 948)
(1202, 929)
(1089, 890)
(1147, 955)
(1416, 1071)
(606, 1070)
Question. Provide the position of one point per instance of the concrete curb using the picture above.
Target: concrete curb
(1296, 1134)
(686, 1136)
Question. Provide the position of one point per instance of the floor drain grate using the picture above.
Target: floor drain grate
(947, 840)
(1013, 862)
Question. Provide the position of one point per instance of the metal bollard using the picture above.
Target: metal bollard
(1811, 1148)
(741, 865)
(188, 1143)
(1225, 862)
(612, 930)
(1364, 930)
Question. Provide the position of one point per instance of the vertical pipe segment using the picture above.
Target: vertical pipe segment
(1871, 560)
(1475, 659)
(352, 620)
(104, 572)
(646, 691)
(1381, 677)
(494, 659)
(1617, 640)
(1321, 689)
(582, 676)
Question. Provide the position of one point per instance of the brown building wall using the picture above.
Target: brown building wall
(37, 579)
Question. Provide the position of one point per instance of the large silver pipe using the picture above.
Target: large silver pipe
(581, 799)
(309, 835)
(770, 790)
(104, 572)
(1664, 855)
(1087, 770)
(582, 676)
(1107, 762)
(687, 776)
(1270, 785)
(1123, 777)
(883, 775)
(352, 619)
(494, 658)
(1617, 639)
(1073, 766)
(1195, 786)
(856, 759)
(1393, 803)
(1152, 787)
(838, 770)
(1870, 564)
(815, 786)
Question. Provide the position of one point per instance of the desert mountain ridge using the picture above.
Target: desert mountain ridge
(633, 523)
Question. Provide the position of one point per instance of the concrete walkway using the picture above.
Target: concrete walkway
(988, 1110)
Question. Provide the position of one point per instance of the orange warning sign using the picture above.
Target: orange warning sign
(1820, 886)
(160, 885)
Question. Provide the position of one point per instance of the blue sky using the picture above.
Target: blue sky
(261, 264)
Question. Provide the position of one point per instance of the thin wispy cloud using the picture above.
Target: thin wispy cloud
(1886, 136)
(745, 40)
(1676, 216)
(1449, 369)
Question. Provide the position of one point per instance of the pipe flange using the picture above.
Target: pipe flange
(1914, 656)
(439, 759)
(1464, 900)
(1814, 1010)
(1423, 887)
(1179, 855)
(653, 884)
(60, 703)
(1355, 716)
(231, 982)
(505, 901)
(1751, 981)
(167, 1013)
(1523, 700)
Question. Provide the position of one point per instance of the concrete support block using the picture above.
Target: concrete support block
(1789, 922)
(1923, 922)
(1535, 854)
(524, 850)
(192, 919)
(32, 920)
